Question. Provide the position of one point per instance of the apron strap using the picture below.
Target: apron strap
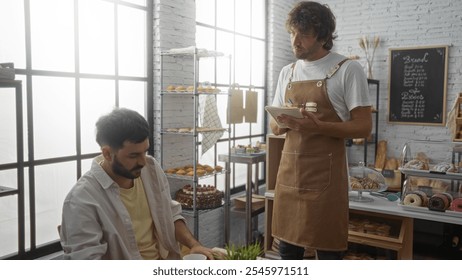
(335, 69)
(330, 74)
(289, 85)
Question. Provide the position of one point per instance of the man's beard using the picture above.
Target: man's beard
(120, 170)
(302, 54)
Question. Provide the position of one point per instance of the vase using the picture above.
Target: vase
(369, 69)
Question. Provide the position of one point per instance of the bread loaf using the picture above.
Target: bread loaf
(381, 156)
(392, 164)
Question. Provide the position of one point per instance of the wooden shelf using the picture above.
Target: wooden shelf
(399, 239)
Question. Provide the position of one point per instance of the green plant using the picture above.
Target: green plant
(249, 252)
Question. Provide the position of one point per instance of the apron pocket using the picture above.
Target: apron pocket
(309, 172)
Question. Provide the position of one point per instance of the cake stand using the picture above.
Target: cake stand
(361, 172)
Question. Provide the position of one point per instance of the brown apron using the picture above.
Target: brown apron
(311, 194)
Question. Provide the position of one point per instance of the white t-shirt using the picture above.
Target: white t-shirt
(347, 89)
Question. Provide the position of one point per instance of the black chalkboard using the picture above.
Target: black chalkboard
(417, 89)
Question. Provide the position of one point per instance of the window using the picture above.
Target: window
(236, 27)
(77, 60)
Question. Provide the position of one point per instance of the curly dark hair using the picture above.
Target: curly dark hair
(308, 16)
(119, 126)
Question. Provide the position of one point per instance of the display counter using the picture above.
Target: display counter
(399, 218)
(383, 206)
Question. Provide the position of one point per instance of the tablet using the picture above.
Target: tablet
(277, 111)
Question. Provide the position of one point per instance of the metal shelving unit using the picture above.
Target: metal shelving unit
(186, 56)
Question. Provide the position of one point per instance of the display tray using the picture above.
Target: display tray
(249, 154)
(184, 207)
(188, 130)
(359, 197)
(432, 174)
(187, 177)
(425, 210)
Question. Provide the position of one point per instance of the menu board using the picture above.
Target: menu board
(417, 89)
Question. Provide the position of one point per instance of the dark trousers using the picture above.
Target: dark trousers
(293, 252)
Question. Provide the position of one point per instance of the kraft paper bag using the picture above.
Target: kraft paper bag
(251, 106)
(236, 106)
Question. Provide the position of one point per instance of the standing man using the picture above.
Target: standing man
(122, 208)
(311, 195)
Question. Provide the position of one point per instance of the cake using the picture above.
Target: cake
(207, 196)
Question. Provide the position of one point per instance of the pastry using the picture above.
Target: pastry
(456, 205)
(184, 129)
(190, 89)
(391, 164)
(412, 199)
(439, 186)
(440, 202)
(423, 196)
(180, 89)
(200, 172)
(416, 164)
(171, 171)
(422, 157)
(181, 172)
(444, 167)
(171, 88)
(355, 184)
(363, 184)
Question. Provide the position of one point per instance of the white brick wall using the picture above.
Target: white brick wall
(279, 49)
(174, 27)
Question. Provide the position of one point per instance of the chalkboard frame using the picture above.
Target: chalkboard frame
(394, 52)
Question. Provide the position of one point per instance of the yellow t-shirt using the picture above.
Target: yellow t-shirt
(137, 206)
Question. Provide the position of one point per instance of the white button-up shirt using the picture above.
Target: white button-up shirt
(96, 224)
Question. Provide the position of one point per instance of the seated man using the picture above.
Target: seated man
(122, 208)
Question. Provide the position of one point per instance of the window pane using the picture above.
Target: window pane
(52, 183)
(242, 129)
(12, 46)
(207, 70)
(132, 95)
(52, 35)
(258, 63)
(225, 44)
(7, 126)
(205, 38)
(132, 42)
(96, 37)
(258, 18)
(137, 2)
(9, 216)
(225, 14)
(242, 16)
(242, 60)
(205, 11)
(54, 116)
(86, 165)
(97, 97)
